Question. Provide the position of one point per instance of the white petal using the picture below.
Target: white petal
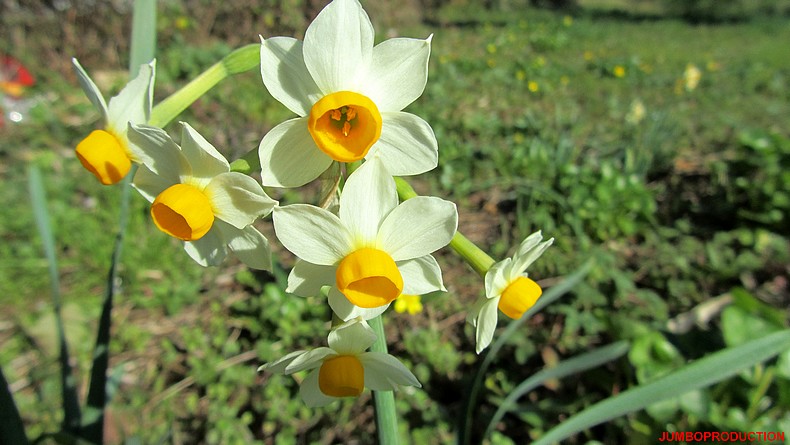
(154, 148)
(407, 145)
(384, 372)
(486, 324)
(398, 72)
(307, 279)
(352, 337)
(285, 74)
(238, 199)
(421, 275)
(522, 260)
(289, 156)
(278, 366)
(210, 250)
(338, 46)
(309, 360)
(474, 311)
(311, 233)
(345, 310)
(90, 89)
(418, 227)
(498, 278)
(368, 197)
(133, 103)
(149, 184)
(247, 244)
(528, 244)
(311, 393)
(205, 160)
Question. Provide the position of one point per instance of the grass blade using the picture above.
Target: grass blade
(12, 430)
(465, 427)
(565, 368)
(699, 374)
(71, 407)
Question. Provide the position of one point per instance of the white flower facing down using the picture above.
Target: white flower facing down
(106, 152)
(196, 198)
(349, 96)
(371, 253)
(344, 369)
(508, 288)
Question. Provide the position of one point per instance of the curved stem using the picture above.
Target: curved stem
(473, 255)
(240, 60)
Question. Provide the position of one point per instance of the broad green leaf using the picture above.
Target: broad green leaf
(699, 374)
(565, 368)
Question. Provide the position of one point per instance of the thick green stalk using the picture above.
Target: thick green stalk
(240, 60)
(384, 401)
(143, 49)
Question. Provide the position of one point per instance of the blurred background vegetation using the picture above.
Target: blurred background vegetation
(649, 135)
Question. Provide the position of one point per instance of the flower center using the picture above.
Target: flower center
(345, 125)
(369, 278)
(341, 376)
(183, 211)
(519, 296)
(103, 154)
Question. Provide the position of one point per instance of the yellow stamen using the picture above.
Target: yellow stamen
(183, 211)
(341, 376)
(344, 125)
(369, 278)
(519, 296)
(103, 154)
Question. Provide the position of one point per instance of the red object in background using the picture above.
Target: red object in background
(14, 77)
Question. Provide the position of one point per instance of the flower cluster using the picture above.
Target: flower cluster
(373, 250)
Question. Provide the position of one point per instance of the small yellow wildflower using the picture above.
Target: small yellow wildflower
(588, 55)
(521, 75)
(491, 63)
(491, 48)
(533, 86)
(619, 71)
(408, 303)
(637, 112)
(691, 77)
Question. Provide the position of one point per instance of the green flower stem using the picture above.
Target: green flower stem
(473, 255)
(240, 60)
(384, 401)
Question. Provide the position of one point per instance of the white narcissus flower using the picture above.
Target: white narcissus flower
(349, 96)
(196, 198)
(106, 152)
(344, 369)
(373, 251)
(507, 288)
